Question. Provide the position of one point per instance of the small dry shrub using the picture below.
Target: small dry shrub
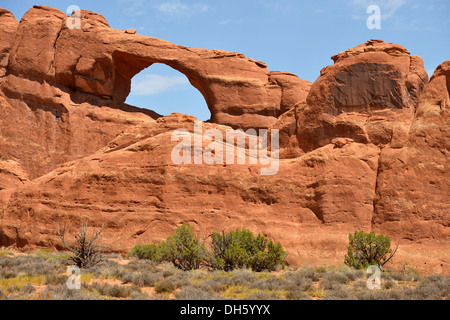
(165, 286)
(196, 294)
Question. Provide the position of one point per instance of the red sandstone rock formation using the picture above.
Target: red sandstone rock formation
(7, 32)
(369, 95)
(366, 148)
(69, 77)
(413, 182)
(102, 61)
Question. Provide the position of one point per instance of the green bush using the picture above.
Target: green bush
(183, 249)
(366, 249)
(235, 250)
(146, 251)
(240, 249)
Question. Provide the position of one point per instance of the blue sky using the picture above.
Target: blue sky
(289, 35)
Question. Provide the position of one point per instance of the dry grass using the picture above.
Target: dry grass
(41, 275)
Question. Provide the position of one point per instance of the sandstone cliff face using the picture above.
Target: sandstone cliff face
(369, 95)
(133, 186)
(413, 184)
(378, 94)
(364, 147)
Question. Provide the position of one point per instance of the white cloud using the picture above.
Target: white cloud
(152, 84)
(180, 8)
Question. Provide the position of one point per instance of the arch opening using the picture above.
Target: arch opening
(162, 89)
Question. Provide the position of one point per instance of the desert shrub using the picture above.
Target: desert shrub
(235, 250)
(61, 292)
(374, 295)
(311, 273)
(28, 288)
(434, 278)
(5, 252)
(389, 284)
(264, 295)
(139, 296)
(169, 270)
(14, 288)
(108, 272)
(296, 294)
(165, 286)
(240, 249)
(351, 273)
(396, 294)
(339, 293)
(86, 250)
(216, 282)
(29, 265)
(321, 269)
(140, 265)
(328, 284)
(271, 284)
(7, 274)
(183, 249)
(146, 251)
(242, 277)
(143, 279)
(56, 279)
(427, 291)
(6, 261)
(196, 294)
(180, 279)
(107, 269)
(295, 281)
(360, 285)
(366, 249)
(400, 276)
(361, 292)
(121, 291)
(336, 277)
(114, 291)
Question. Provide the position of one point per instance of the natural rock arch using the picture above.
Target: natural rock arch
(165, 90)
(96, 59)
(127, 66)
